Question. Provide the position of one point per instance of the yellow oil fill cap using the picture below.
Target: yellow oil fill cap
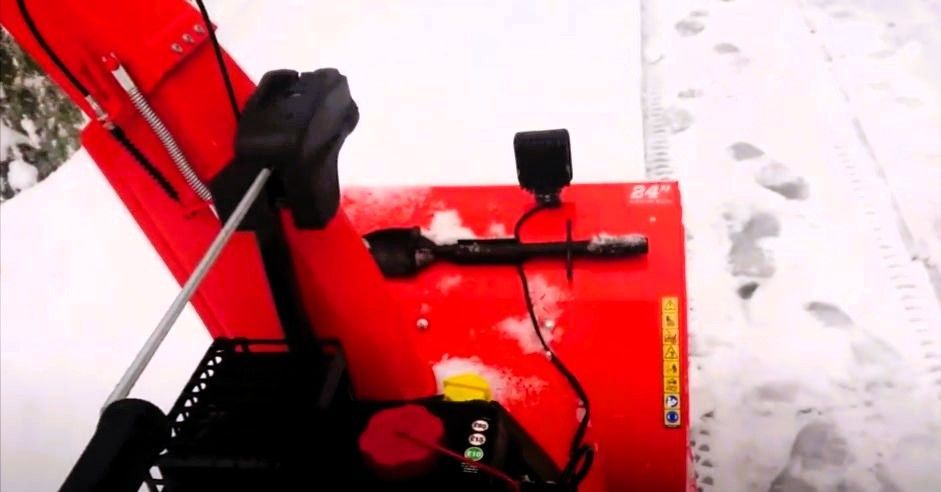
(466, 387)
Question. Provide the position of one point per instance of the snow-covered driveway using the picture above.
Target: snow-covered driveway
(815, 335)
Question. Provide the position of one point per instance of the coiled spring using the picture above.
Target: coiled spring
(166, 138)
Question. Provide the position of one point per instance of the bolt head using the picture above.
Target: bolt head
(422, 324)
(199, 28)
(549, 324)
(188, 38)
(176, 48)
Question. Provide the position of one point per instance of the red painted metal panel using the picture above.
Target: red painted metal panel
(608, 320)
(234, 299)
(347, 299)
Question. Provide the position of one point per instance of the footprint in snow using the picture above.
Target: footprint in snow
(771, 174)
(818, 450)
(911, 102)
(747, 290)
(678, 119)
(867, 350)
(746, 257)
(725, 48)
(776, 392)
(694, 93)
(785, 482)
(689, 27)
(771, 398)
(828, 314)
(744, 150)
(842, 14)
(729, 49)
(779, 179)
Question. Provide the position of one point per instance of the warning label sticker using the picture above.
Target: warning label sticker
(670, 305)
(670, 337)
(671, 369)
(670, 352)
(671, 385)
(670, 321)
(671, 401)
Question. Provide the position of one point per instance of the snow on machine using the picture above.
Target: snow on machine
(469, 338)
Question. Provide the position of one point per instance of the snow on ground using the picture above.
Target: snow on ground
(815, 337)
(80, 290)
(9, 139)
(885, 57)
(442, 88)
(22, 175)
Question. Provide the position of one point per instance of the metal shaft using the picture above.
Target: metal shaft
(146, 353)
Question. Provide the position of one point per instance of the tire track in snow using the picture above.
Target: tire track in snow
(658, 166)
(841, 21)
(908, 289)
(910, 279)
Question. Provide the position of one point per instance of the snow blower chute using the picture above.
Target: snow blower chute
(474, 338)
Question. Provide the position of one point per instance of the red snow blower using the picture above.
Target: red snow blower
(358, 343)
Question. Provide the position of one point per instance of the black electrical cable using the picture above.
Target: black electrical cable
(116, 132)
(269, 233)
(24, 12)
(219, 59)
(581, 456)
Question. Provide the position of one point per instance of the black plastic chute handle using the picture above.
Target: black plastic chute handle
(403, 252)
(511, 251)
(130, 435)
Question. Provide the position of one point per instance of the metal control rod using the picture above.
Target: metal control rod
(146, 353)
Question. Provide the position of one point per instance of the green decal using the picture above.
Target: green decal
(474, 453)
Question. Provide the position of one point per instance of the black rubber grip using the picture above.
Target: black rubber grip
(130, 435)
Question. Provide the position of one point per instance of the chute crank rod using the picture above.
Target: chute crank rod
(132, 374)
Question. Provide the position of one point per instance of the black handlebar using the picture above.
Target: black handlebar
(130, 435)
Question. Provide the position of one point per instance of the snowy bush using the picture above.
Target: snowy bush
(39, 124)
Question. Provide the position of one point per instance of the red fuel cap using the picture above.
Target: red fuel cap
(393, 456)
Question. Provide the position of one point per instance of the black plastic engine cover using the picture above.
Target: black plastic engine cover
(505, 446)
